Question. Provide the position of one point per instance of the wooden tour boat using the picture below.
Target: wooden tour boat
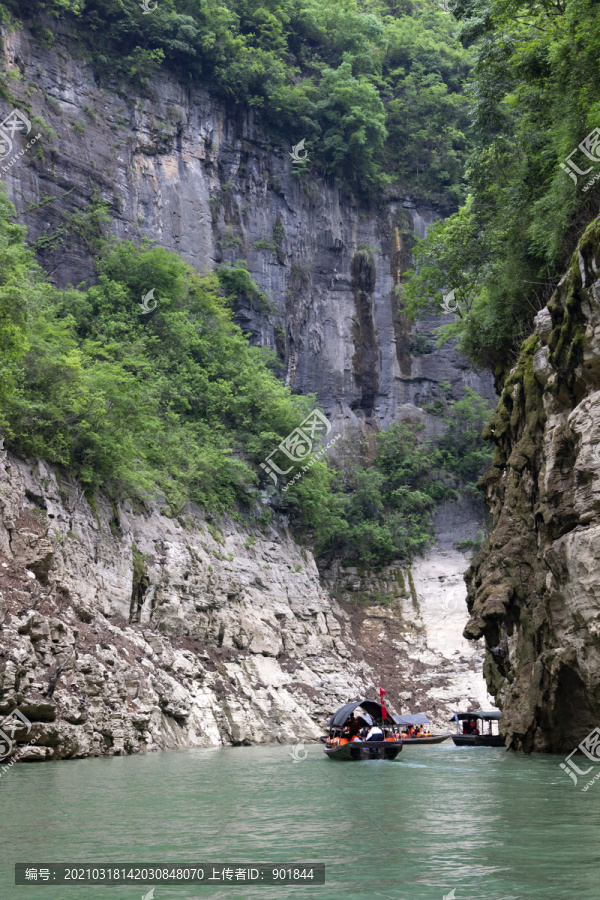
(417, 720)
(340, 748)
(469, 739)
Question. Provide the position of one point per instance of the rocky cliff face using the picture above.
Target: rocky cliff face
(534, 592)
(124, 630)
(179, 168)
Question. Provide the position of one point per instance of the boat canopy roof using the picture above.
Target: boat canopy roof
(362, 715)
(477, 714)
(416, 719)
(371, 707)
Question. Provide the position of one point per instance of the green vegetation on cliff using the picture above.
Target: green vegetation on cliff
(376, 512)
(373, 86)
(173, 404)
(535, 97)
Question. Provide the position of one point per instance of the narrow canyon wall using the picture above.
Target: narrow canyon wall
(534, 591)
(125, 630)
(180, 168)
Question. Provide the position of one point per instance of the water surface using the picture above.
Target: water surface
(489, 824)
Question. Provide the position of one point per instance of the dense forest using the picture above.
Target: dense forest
(472, 111)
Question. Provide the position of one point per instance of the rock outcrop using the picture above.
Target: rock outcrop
(123, 630)
(126, 631)
(534, 591)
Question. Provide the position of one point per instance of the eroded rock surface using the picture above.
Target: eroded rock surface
(124, 631)
(534, 592)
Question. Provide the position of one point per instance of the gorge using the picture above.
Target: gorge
(126, 627)
(237, 638)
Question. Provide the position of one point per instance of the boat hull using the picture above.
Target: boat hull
(359, 750)
(478, 740)
(434, 739)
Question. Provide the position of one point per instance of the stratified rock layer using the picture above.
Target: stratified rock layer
(124, 630)
(534, 591)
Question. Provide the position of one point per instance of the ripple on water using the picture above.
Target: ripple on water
(490, 824)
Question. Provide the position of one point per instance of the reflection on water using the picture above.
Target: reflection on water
(487, 824)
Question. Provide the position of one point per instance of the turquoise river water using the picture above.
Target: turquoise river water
(482, 823)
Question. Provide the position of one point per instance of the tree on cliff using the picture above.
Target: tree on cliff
(534, 100)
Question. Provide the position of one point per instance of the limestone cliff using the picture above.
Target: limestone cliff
(124, 630)
(534, 591)
(180, 168)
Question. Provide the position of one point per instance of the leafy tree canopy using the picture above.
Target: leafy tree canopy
(534, 97)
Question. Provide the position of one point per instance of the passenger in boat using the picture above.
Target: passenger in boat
(353, 727)
(473, 727)
(374, 734)
(466, 727)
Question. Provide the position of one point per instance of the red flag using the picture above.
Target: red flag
(383, 709)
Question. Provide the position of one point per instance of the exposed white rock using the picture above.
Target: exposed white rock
(156, 633)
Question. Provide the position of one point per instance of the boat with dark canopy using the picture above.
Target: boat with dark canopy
(341, 748)
(416, 720)
(466, 738)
